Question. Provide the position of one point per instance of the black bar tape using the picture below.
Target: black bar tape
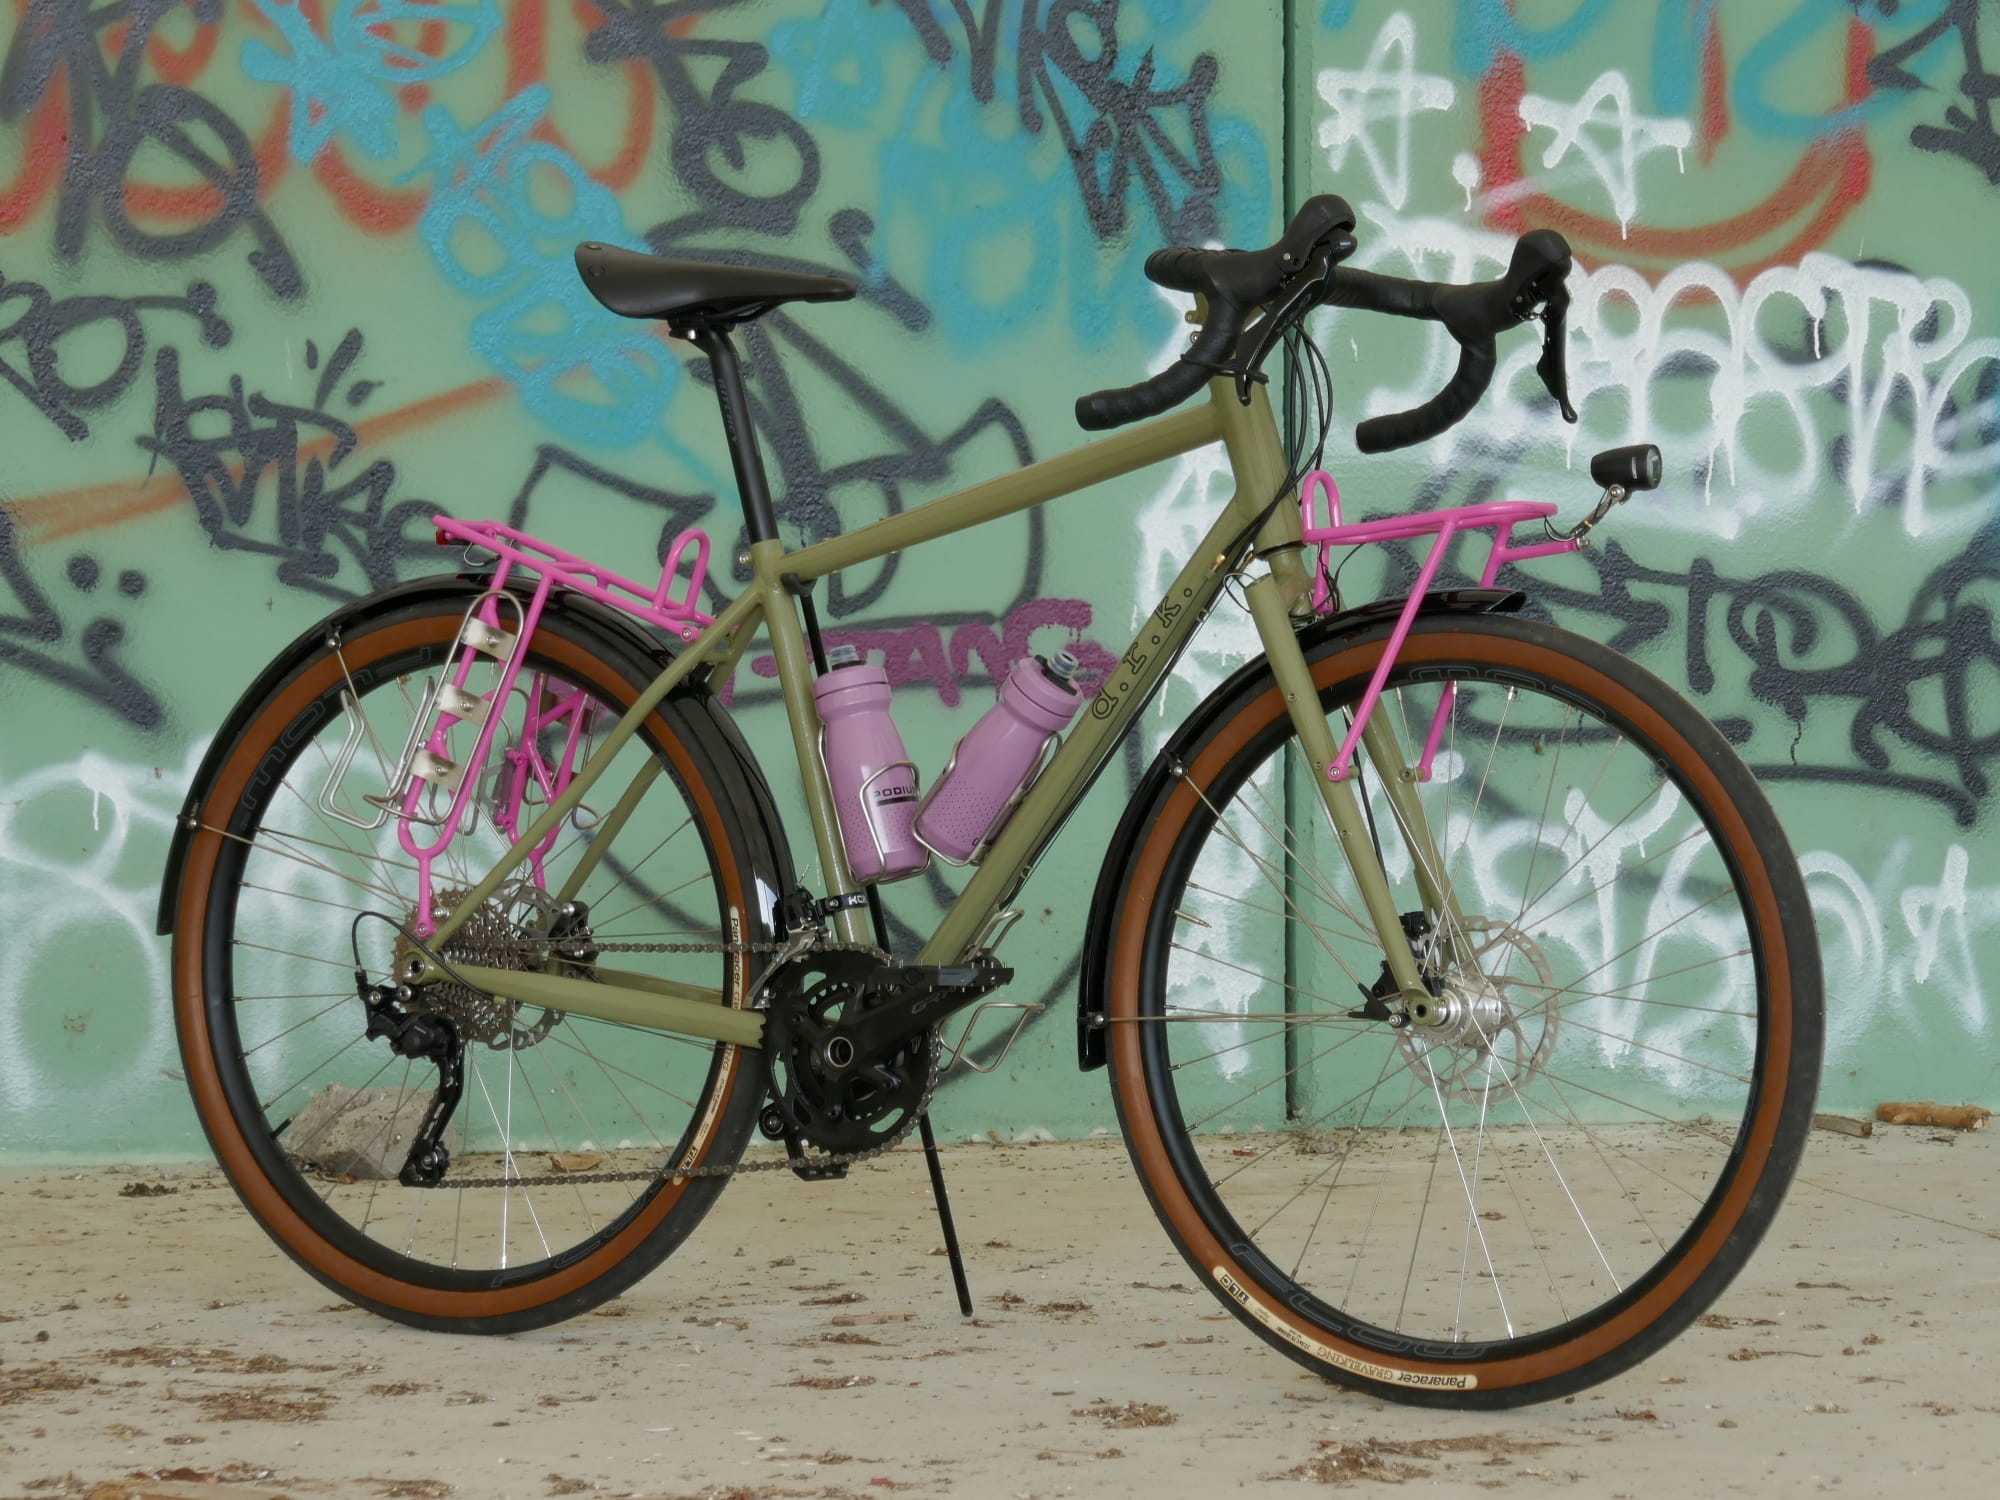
(1215, 345)
(1101, 410)
(1368, 292)
(1476, 362)
(1178, 269)
(1235, 282)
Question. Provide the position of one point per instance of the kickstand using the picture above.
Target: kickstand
(944, 1214)
(924, 1131)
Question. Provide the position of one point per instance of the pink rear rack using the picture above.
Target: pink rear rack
(665, 606)
(670, 606)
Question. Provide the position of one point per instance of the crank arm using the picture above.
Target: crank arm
(918, 997)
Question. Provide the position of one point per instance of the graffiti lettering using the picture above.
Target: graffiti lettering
(919, 654)
(57, 60)
(31, 627)
(1968, 130)
(42, 325)
(1115, 130)
(1872, 375)
(824, 498)
(1906, 694)
(299, 447)
(1378, 94)
(716, 126)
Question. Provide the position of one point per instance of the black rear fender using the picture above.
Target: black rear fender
(744, 789)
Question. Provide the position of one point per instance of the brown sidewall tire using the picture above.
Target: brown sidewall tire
(511, 1301)
(1768, 1148)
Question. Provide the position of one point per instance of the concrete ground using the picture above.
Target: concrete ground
(152, 1343)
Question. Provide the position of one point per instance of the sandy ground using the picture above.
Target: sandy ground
(157, 1345)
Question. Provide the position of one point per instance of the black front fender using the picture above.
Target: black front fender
(1090, 1032)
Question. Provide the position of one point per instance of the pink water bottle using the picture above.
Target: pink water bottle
(993, 765)
(874, 781)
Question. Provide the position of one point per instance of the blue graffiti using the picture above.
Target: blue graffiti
(1753, 85)
(953, 203)
(965, 169)
(1486, 28)
(335, 84)
(484, 226)
(836, 60)
(1749, 94)
(493, 240)
(1679, 32)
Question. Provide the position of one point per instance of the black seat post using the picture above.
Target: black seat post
(751, 485)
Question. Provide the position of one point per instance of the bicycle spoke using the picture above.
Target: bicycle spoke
(536, 1082)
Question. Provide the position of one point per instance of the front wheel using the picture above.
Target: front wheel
(1571, 1161)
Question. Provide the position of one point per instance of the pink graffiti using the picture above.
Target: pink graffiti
(919, 653)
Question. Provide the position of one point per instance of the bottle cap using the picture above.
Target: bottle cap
(1059, 668)
(843, 656)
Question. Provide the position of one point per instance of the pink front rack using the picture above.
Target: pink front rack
(1501, 516)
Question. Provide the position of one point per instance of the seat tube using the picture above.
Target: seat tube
(795, 678)
(751, 486)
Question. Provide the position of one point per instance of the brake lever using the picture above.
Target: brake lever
(1307, 290)
(1553, 366)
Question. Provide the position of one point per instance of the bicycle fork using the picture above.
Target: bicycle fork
(1252, 440)
(1271, 612)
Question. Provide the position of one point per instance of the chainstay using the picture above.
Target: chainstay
(811, 1161)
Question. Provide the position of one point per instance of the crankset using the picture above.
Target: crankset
(852, 1039)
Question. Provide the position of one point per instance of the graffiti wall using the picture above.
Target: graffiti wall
(282, 279)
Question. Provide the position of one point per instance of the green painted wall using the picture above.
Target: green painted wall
(279, 282)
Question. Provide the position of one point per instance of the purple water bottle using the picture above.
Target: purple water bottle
(874, 781)
(992, 766)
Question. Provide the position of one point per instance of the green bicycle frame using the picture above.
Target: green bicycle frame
(1250, 525)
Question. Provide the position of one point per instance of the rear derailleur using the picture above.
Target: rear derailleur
(422, 1036)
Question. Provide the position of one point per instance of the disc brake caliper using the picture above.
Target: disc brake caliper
(1375, 1001)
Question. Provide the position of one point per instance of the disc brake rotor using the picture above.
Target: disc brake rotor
(1499, 1018)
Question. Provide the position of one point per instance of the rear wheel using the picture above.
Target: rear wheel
(552, 1200)
(1571, 1161)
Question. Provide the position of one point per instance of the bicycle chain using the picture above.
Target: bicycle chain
(811, 1161)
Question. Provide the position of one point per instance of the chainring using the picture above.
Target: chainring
(836, 1099)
